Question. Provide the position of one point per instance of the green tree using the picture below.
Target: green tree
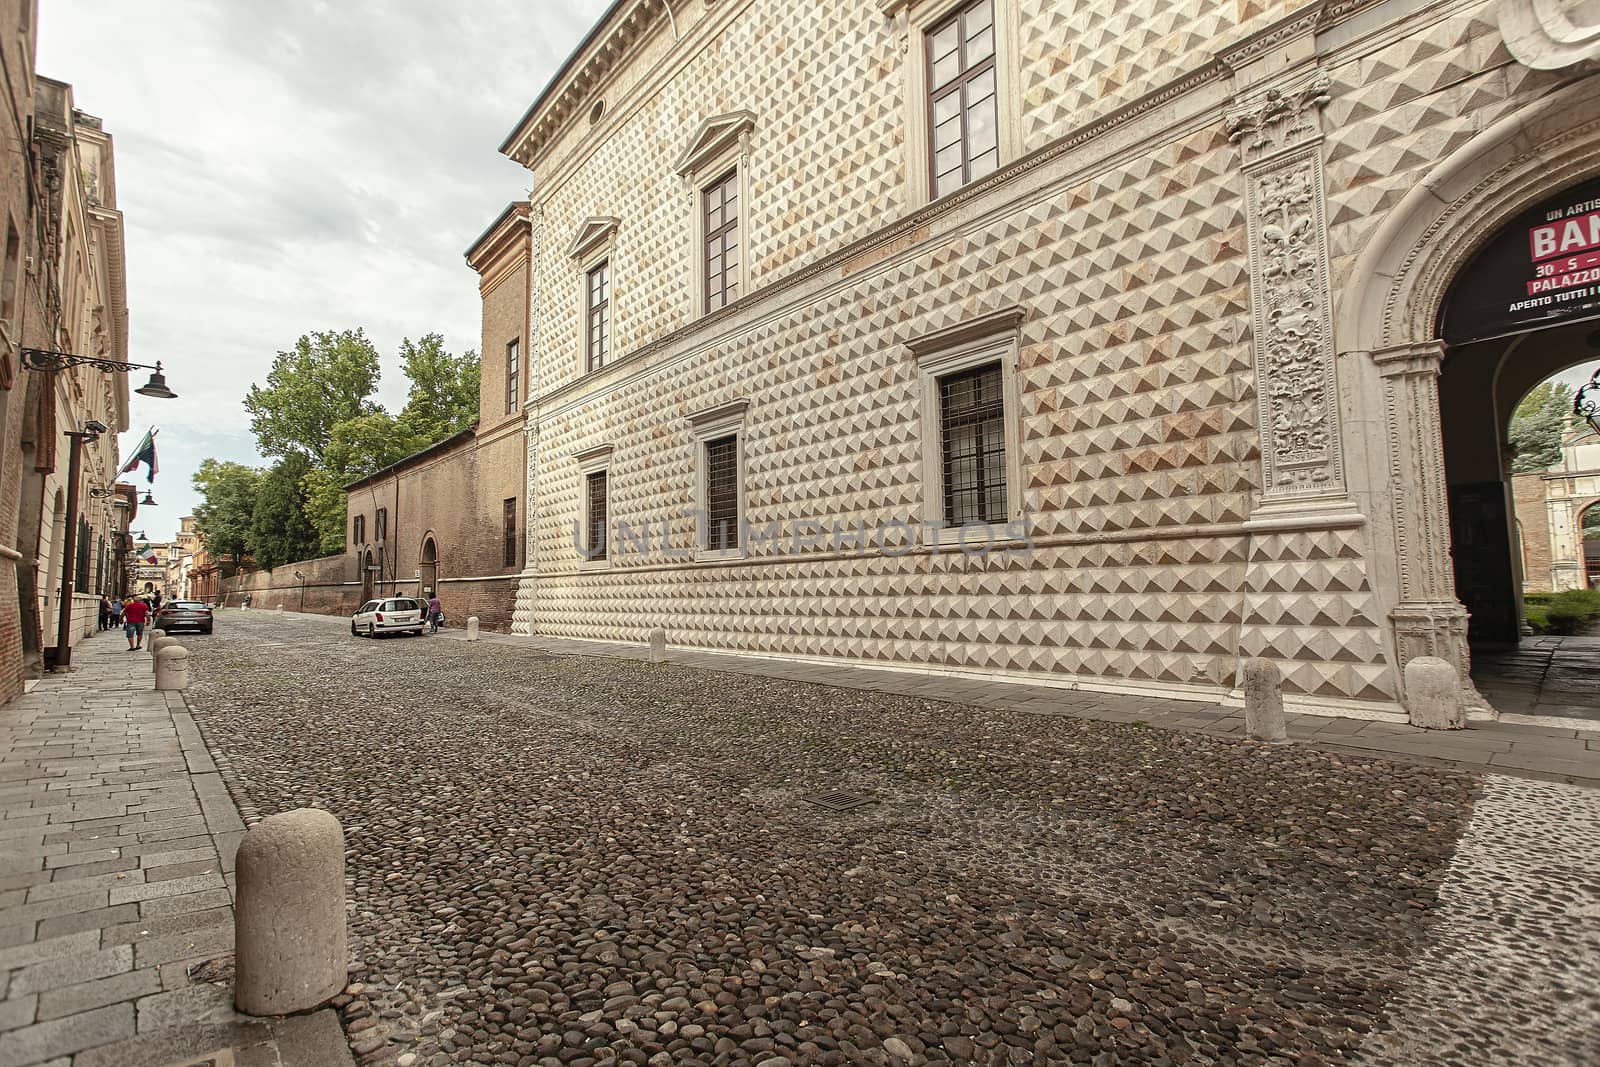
(444, 388)
(279, 529)
(225, 513)
(323, 380)
(356, 448)
(1536, 427)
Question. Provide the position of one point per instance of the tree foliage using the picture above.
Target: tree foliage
(279, 529)
(323, 380)
(227, 508)
(444, 388)
(1537, 425)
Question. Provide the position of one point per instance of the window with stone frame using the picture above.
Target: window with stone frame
(380, 526)
(722, 493)
(358, 530)
(595, 517)
(962, 100)
(597, 318)
(720, 205)
(508, 508)
(513, 375)
(972, 445)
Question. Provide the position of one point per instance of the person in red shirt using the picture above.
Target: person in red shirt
(134, 612)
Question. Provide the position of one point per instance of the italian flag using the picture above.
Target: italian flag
(144, 453)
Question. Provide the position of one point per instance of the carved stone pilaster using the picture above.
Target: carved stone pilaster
(523, 619)
(1279, 135)
(1429, 620)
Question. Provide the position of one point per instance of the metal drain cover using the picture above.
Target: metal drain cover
(841, 800)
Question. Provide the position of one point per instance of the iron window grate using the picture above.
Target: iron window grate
(841, 800)
(595, 534)
(509, 517)
(973, 445)
(722, 493)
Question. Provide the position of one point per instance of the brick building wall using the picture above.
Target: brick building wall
(1533, 530)
(331, 587)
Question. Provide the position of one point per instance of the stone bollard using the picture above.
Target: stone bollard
(658, 646)
(153, 635)
(280, 609)
(172, 667)
(472, 627)
(1433, 695)
(156, 646)
(1263, 702)
(288, 924)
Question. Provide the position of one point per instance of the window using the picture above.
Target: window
(719, 438)
(358, 530)
(513, 375)
(963, 119)
(598, 320)
(970, 435)
(972, 445)
(508, 509)
(721, 501)
(380, 527)
(594, 536)
(12, 267)
(720, 203)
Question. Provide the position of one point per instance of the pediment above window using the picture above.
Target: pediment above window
(595, 233)
(714, 137)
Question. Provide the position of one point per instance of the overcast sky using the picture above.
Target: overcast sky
(292, 166)
(299, 165)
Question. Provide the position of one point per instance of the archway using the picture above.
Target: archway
(366, 576)
(52, 555)
(1392, 355)
(428, 569)
(1589, 546)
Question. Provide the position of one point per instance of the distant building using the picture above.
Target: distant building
(1550, 507)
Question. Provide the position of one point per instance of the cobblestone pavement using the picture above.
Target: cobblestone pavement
(582, 860)
(116, 864)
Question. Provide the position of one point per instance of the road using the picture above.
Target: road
(571, 859)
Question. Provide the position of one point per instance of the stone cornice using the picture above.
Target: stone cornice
(715, 136)
(594, 231)
(1297, 23)
(982, 328)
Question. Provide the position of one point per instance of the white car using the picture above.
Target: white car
(396, 615)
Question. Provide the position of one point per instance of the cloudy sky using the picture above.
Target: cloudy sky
(293, 166)
(299, 165)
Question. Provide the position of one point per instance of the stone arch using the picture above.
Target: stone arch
(58, 533)
(1390, 356)
(366, 576)
(428, 566)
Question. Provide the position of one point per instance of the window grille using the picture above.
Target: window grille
(594, 537)
(380, 527)
(358, 534)
(721, 200)
(963, 132)
(599, 314)
(509, 514)
(973, 445)
(722, 493)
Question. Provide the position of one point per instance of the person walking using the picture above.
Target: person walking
(105, 613)
(435, 611)
(116, 611)
(134, 613)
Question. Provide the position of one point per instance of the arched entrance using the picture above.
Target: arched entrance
(367, 572)
(428, 570)
(1409, 379)
(52, 555)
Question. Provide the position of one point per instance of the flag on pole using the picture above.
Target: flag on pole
(145, 452)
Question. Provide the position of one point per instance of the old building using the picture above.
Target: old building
(1550, 509)
(62, 290)
(449, 519)
(1188, 321)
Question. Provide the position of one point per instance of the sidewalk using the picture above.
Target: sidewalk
(116, 883)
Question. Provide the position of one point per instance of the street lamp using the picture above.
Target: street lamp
(148, 500)
(1586, 405)
(50, 362)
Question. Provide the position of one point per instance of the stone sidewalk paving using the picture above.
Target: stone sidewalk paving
(1543, 751)
(117, 838)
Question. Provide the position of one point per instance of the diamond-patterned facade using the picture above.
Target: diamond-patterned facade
(1124, 244)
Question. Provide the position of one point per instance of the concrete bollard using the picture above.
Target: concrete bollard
(172, 667)
(156, 646)
(288, 924)
(658, 646)
(1263, 702)
(472, 627)
(280, 609)
(152, 635)
(1433, 695)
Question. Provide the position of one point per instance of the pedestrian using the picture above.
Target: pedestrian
(155, 600)
(435, 610)
(134, 612)
(105, 613)
(116, 611)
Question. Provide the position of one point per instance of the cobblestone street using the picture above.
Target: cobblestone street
(572, 859)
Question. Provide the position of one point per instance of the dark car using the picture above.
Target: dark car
(184, 615)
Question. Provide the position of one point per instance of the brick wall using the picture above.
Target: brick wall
(331, 587)
(1533, 530)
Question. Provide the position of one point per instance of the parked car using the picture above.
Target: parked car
(183, 615)
(394, 615)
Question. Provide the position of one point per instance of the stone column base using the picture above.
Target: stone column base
(1438, 629)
